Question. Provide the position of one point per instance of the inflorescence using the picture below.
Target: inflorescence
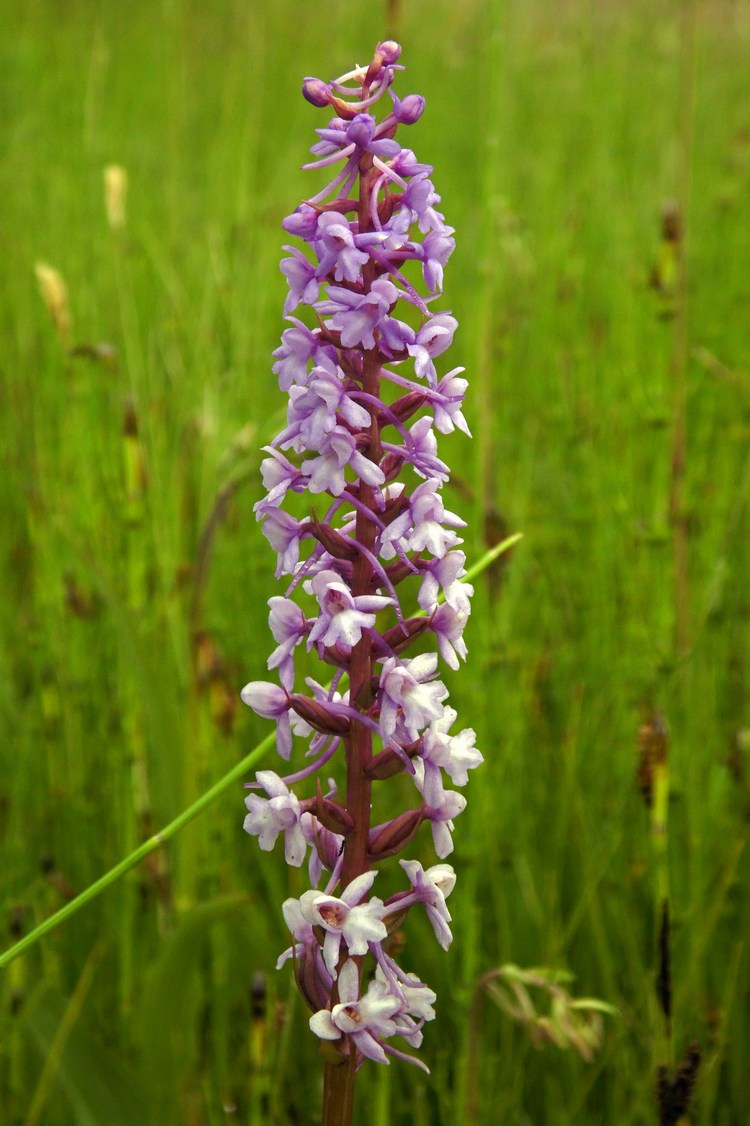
(364, 404)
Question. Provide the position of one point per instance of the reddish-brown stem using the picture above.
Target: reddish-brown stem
(339, 1077)
(338, 1093)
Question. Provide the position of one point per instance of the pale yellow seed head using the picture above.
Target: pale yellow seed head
(55, 296)
(115, 195)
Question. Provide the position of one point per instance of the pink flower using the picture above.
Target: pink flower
(366, 1019)
(346, 917)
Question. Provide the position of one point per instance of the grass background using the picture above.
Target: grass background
(134, 577)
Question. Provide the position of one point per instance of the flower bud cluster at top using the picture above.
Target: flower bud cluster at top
(365, 401)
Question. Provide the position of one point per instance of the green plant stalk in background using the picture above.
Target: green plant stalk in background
(207, 799)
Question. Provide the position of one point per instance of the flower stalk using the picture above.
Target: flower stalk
(365, 402)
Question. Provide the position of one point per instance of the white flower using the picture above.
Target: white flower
(366, 1019)
(346, 917)
(266, 819)
(342, 615)
(408, 689)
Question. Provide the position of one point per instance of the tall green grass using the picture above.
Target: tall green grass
(135, 578)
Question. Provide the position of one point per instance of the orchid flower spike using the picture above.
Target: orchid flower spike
(358, 364)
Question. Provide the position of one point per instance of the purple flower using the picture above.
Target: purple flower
(339, 451)
(299, 346)
(432, 887)
(436, 250)
(422, 451)
(266, 819)
(326, 848)
(368, 1020)
(273, 703)
(410, 694)
(343, 616)
(303, 282)
(288, 626)
(455, 754)
(313, 409)
(279, 475)
(445, 574)
(283, 533)
(422, 527)
(358, 316)
(447, 623)
(421, 198)
(446, 806)
(431, 341)
(336, 249)
(447, 400)
(346, 917)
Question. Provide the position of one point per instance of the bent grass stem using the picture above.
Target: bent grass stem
(154, 842)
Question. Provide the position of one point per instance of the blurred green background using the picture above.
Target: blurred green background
(595, 161)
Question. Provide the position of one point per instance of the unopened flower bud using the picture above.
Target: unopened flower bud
(317, 92)
(409, 110)
(389, 51)
(361, 130)
(302, 223)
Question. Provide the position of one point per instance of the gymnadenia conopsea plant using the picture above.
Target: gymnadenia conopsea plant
(354, 510)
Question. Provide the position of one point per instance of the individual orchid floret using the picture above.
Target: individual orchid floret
(368, 1020)
(326, 849)
(266, 819)
(436, 250)
(455, 754)
(300, 346)
(346, 917)
(271, 702)
(337, 250)
(314, 409)
(448, 623)
(410, 694)
(422, 451)
(326, 472)
(358, 316)
(447, 400)
(441, 814)
(279, 475)
(288, 626)
(445, 575)
(432, 887)
(424, 525)
(430, 342)
(343, 616)
(304, 286)
(283, 533)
